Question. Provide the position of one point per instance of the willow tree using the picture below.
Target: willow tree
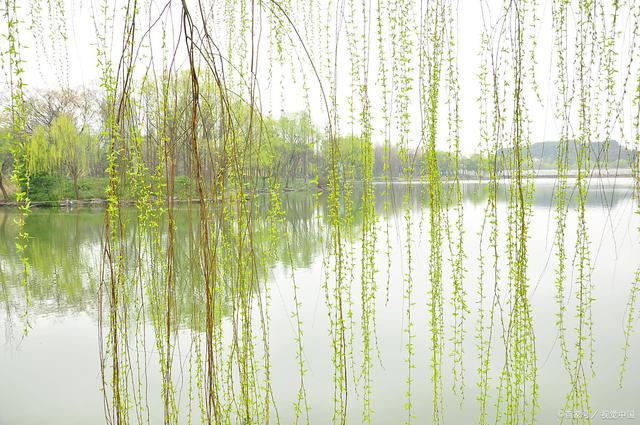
(71, 150)
(38, 150)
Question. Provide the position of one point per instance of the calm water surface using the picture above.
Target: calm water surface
(52, 376)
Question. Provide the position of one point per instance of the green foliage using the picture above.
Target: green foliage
(48, 187)
(72, 151)
(88, 188)
(39, 151)
(42, 186)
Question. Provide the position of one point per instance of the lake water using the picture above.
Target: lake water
(52, 376)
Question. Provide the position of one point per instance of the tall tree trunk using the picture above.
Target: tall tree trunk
(75, 187)
(2, 188)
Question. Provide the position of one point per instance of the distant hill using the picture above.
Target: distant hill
(613, 154)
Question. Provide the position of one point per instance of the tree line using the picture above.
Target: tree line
(67, 150)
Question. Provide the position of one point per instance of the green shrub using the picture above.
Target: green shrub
(42, 187)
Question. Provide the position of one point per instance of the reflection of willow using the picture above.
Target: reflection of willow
(64, 253)
(297, 250)
(63, 257)
(65, 247)
(66, 244)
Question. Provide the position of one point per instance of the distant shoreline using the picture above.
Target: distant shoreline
(537, 174)
(540, 175)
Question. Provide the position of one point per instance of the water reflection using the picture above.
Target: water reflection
(66, 246)
(65, 255)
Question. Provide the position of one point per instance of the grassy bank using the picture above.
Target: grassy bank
(47, 189)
